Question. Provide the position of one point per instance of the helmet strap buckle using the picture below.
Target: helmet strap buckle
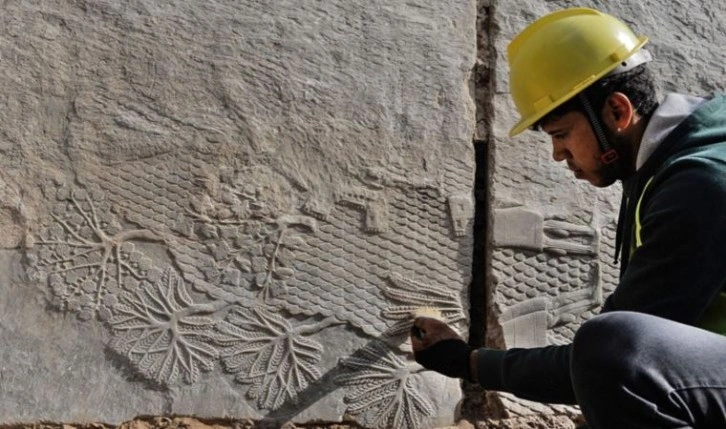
(609, 157)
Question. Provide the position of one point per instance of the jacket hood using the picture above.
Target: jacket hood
(705, 126)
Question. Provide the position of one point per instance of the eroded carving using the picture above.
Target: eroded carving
(252, 241)
(522, 228)
(243, 247)
(525, 324)
(87, 257)
(383, 393)
(379, 178)
(373, 203)
(230, 198)
(550, 271)
(566, 306)
(317, 208)
(461, 210)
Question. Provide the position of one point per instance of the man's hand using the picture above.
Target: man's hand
(439, 348)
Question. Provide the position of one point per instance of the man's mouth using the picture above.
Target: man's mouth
(576, 171)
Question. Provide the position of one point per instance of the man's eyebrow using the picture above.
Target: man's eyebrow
(555, 131)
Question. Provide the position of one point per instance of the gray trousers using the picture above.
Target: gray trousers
(632, 370)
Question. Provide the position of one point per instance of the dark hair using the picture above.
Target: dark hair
(637, 84)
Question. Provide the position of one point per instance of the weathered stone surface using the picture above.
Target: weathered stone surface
(52, 364)
(228, 209)
(553, 237)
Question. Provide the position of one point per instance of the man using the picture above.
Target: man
(655, 356)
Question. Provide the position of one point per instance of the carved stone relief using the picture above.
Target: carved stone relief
(250, 280)
(384, 389)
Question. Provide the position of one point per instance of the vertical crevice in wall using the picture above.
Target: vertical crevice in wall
(473, 406)
(484, 90)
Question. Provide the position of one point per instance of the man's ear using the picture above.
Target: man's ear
(618, 111)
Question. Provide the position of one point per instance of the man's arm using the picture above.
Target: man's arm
(539, 374)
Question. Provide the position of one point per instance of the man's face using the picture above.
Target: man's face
(574, 142)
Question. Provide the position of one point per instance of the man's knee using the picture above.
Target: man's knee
(606, 346)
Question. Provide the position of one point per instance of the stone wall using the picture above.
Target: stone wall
(228, 209)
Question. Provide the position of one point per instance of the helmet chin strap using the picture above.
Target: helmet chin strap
(609, 155)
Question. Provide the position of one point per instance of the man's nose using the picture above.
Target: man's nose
(559, 153)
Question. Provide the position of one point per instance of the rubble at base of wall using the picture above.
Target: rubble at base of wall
(528, 422)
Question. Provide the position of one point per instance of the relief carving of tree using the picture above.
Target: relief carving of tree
(85, 255)
(164, 334)
(382, 386)
(265, 351)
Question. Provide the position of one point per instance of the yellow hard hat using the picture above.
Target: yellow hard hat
(561, 54)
